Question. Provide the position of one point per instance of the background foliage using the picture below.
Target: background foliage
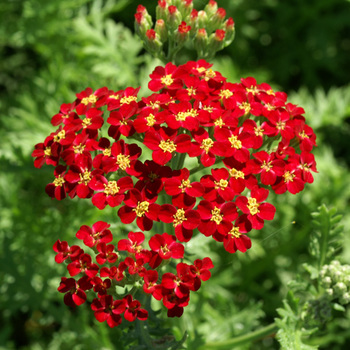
(50, 50)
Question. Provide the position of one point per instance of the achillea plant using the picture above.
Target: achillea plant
(250, 137)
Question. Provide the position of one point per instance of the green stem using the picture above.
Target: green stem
(181, 161)
(326, 227)
(242, 339)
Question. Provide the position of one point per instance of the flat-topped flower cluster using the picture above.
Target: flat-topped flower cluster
(249, 139)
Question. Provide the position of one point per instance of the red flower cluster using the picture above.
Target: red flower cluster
(261, 140)
(138, 267)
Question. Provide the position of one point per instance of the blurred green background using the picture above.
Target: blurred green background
(50, 50)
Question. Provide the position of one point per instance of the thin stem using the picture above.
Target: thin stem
(269, 330)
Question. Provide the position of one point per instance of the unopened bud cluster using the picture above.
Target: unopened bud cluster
(178, 24)
(335, 278)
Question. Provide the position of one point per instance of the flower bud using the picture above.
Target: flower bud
(173, 17)
(152, 42)
(182, 33)
(216, 40)
(193, 21)
(230, 31)
(329, 292)
(340, 288)
(143, 22)
(161, 30)
(211, 8)
(345, 299)
(217, 20)
(202, 19)
(161, 10)
(185, 7)
(201, 41)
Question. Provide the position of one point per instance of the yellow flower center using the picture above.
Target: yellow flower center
(167, 80)
(288, 177)
(222, 184)
(237, 174)
(207, 144)
(280, 125)
(90, 99)
(245, 106)
(79, 149)
(219, 122)
(127, 99)
(225, 93)
(85, 178)
(61, 135)
(111, 188)
(167, 146)
(107, 152)
(201, 69)
(235, 143)
(151, 120)
(253, 206)
(116, 97)
(253, 89)
(235, 232)
(181, 116)
(259, 131)
(216, 216)
(266, 166)
(208, 108)
(184, 184)
(141, 209)
(209, 74)
(86, 122)
(191, 91)
(179, 217)
(59, 181)
(123, 161)
(303, 135)
(47, 151)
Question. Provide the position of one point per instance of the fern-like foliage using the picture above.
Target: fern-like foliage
(308, 306)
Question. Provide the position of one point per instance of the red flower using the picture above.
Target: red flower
(57, 189)
(164, 77)
(291, 180)
(216, 216)
(107, 309)
(166, 246)
(256, 210)
(267, 165)
(121, 122)
(183, 191)
(64, 251)
(183, 220)
(200, 271)
(99, 233)
(164, 143)
(113, 191)
(205, 147)
(217, 186)
(133, 244)
(75, 291)
(47, 152)
(101, 286)
(106, 253)
(133, 309)
(82, 265)
(151, 177)
(88, 99)
(236, 238)
(123, 156)
(150, 281)
(138, 206)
